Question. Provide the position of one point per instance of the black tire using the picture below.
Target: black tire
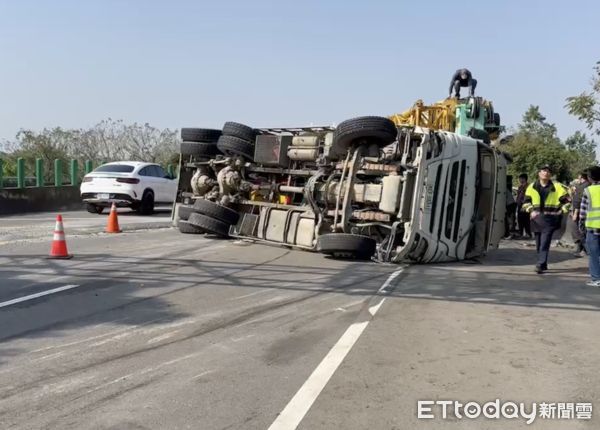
(146, 206)
(209, 225)
(200, 134)
(347, 245)
(230, 145)
(474, 108)
(199, 148)
(497, 119)
(94, 209)
(187, 228)
(373, 129)
(216, 211)
(185, 211)
(240, 131)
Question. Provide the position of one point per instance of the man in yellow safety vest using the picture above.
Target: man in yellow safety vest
(589, 222)
(545, 201)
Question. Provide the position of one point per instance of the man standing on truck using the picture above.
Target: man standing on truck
(545, 201)
(462, 78)
(589, 222)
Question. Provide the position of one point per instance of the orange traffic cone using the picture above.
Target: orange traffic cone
(59, 244)
(113, 221)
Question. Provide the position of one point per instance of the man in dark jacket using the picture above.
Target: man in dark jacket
(577, 193)
(462, 78)
(545, 201)
(523, 217)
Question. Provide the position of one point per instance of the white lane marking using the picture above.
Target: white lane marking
(144, 371)
(200, 375)
(373, 309)
(251, 294)
(49, 356)
(129, 332)
(296, 409)
(162, 337)
(389, 280)
(349, 305)
(36, 295)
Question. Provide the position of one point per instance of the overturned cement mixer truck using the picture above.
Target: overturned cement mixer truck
(428, 185)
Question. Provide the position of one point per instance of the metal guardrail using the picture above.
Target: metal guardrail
(21, 181)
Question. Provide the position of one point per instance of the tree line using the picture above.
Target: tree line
(109, 140)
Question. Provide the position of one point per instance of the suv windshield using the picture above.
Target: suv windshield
(116, 168)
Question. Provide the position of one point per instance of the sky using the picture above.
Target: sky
(284, 63)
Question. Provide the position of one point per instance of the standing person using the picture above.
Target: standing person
(545, 201)
(511, 207)
(578, 236)
(462, 78)
(522, 216)
(589, 222)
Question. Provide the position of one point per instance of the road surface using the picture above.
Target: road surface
(36, 226)
(153, 329)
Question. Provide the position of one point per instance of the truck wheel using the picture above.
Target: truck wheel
(373, 129)
(473, 107)
(230, 145)
(187, 228)
(209, 225)
(497, 119)
(184, 212)
(214, 210)
(199, 148)
(200, 134)
(146, 206)
(344, 245)
(240, 131)
(94, 209)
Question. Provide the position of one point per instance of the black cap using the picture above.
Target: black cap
(545, 167)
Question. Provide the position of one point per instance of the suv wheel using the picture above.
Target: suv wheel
(146, 206)
(94, 209)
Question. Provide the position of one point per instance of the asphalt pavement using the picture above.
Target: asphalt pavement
(152, 329)
(39, 225)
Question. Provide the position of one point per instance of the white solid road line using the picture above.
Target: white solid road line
(36, 295)
(296, 409)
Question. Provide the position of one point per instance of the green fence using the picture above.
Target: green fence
(59, 174)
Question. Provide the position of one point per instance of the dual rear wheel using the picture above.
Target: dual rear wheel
(205, 216)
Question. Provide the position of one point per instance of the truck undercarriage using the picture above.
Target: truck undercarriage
(369, 188)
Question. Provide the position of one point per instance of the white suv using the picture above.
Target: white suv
(132, 184)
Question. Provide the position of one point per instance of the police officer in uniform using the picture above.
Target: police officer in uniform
(589, 222)
(545, 201)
